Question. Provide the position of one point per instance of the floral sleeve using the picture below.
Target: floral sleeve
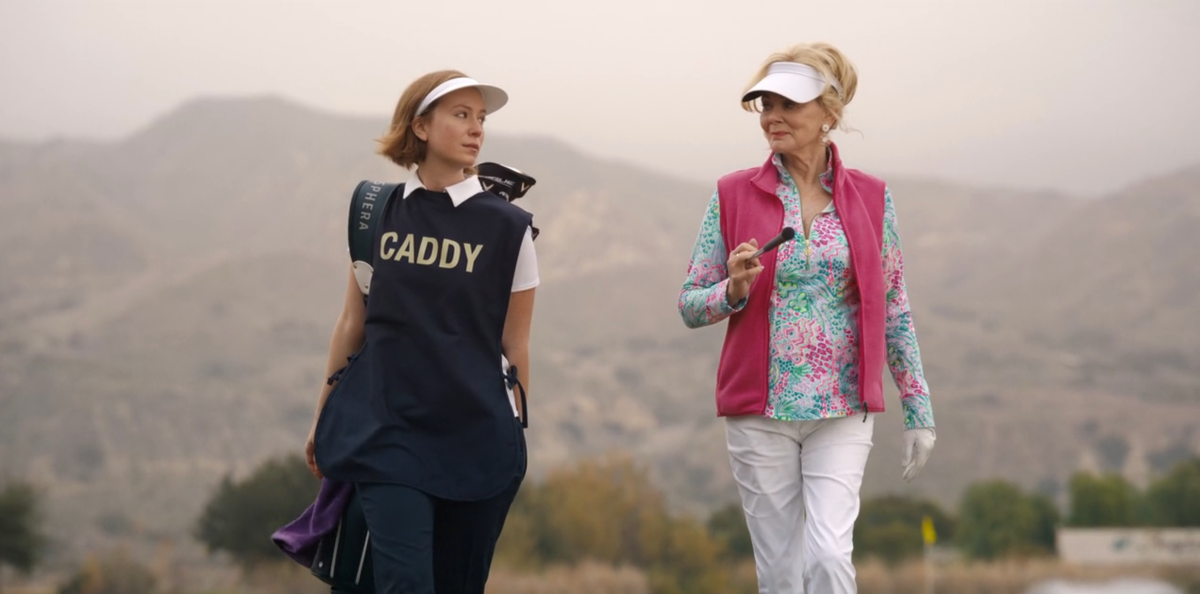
(904, 356)
(702, 300)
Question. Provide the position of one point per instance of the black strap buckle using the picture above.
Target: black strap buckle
(512, 381)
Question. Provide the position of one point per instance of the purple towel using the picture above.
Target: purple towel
(299, 538)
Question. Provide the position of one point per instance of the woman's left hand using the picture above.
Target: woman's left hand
(310, 452)
(918, 443)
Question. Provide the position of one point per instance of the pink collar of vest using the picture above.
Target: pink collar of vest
(767, 177)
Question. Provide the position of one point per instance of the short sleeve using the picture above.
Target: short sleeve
(526, 275)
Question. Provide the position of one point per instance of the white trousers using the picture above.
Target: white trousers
(799, 482)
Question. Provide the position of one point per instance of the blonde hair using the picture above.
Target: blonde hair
(400, 144)
(828, 60)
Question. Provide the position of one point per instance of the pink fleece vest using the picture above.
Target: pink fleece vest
(751, 210)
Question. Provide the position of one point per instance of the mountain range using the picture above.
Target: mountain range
(168, 299)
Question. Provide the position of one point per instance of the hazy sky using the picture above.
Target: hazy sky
(1084, 96)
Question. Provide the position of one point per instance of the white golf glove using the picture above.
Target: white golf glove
(918, 443)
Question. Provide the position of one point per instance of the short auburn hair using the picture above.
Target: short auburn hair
(400, 144)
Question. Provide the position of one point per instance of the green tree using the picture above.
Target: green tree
(728, 525)
(604, 509)
(689, 562)
(1045, 521)
(608, 510)
(1102, 501)
(241, 516)
(997, 519)
(22, 542)
(1174, 500)
(890, 527)
(114, 573)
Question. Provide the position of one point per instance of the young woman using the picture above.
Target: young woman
(443, 335)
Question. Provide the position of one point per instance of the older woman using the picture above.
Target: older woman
(811, 324)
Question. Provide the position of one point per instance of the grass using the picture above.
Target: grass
(1008, 577)
(874, 577)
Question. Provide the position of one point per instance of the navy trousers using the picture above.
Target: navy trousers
(427, 545)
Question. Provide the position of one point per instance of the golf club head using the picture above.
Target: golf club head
(504, 181)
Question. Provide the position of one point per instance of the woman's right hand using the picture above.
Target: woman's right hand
(310, 452)
(742, 271)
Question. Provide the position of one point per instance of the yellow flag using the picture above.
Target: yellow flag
(928, 531)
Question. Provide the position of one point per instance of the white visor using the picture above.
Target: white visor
(493, 97)
(799, 82)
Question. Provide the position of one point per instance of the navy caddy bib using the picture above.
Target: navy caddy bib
(428, 406)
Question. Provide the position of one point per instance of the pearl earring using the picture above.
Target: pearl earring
(825, 134)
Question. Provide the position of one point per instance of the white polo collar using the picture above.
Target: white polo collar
(459, 192)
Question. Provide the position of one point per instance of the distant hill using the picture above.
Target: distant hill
(168, 300)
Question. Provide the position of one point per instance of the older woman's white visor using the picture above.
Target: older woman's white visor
(493, 97)
(799, 82)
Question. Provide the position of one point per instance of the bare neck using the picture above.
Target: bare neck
(436, 176)
(807, 164)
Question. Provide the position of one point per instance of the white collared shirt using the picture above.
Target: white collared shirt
(526, 275)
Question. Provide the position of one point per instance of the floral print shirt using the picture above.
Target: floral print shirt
(813, 369)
